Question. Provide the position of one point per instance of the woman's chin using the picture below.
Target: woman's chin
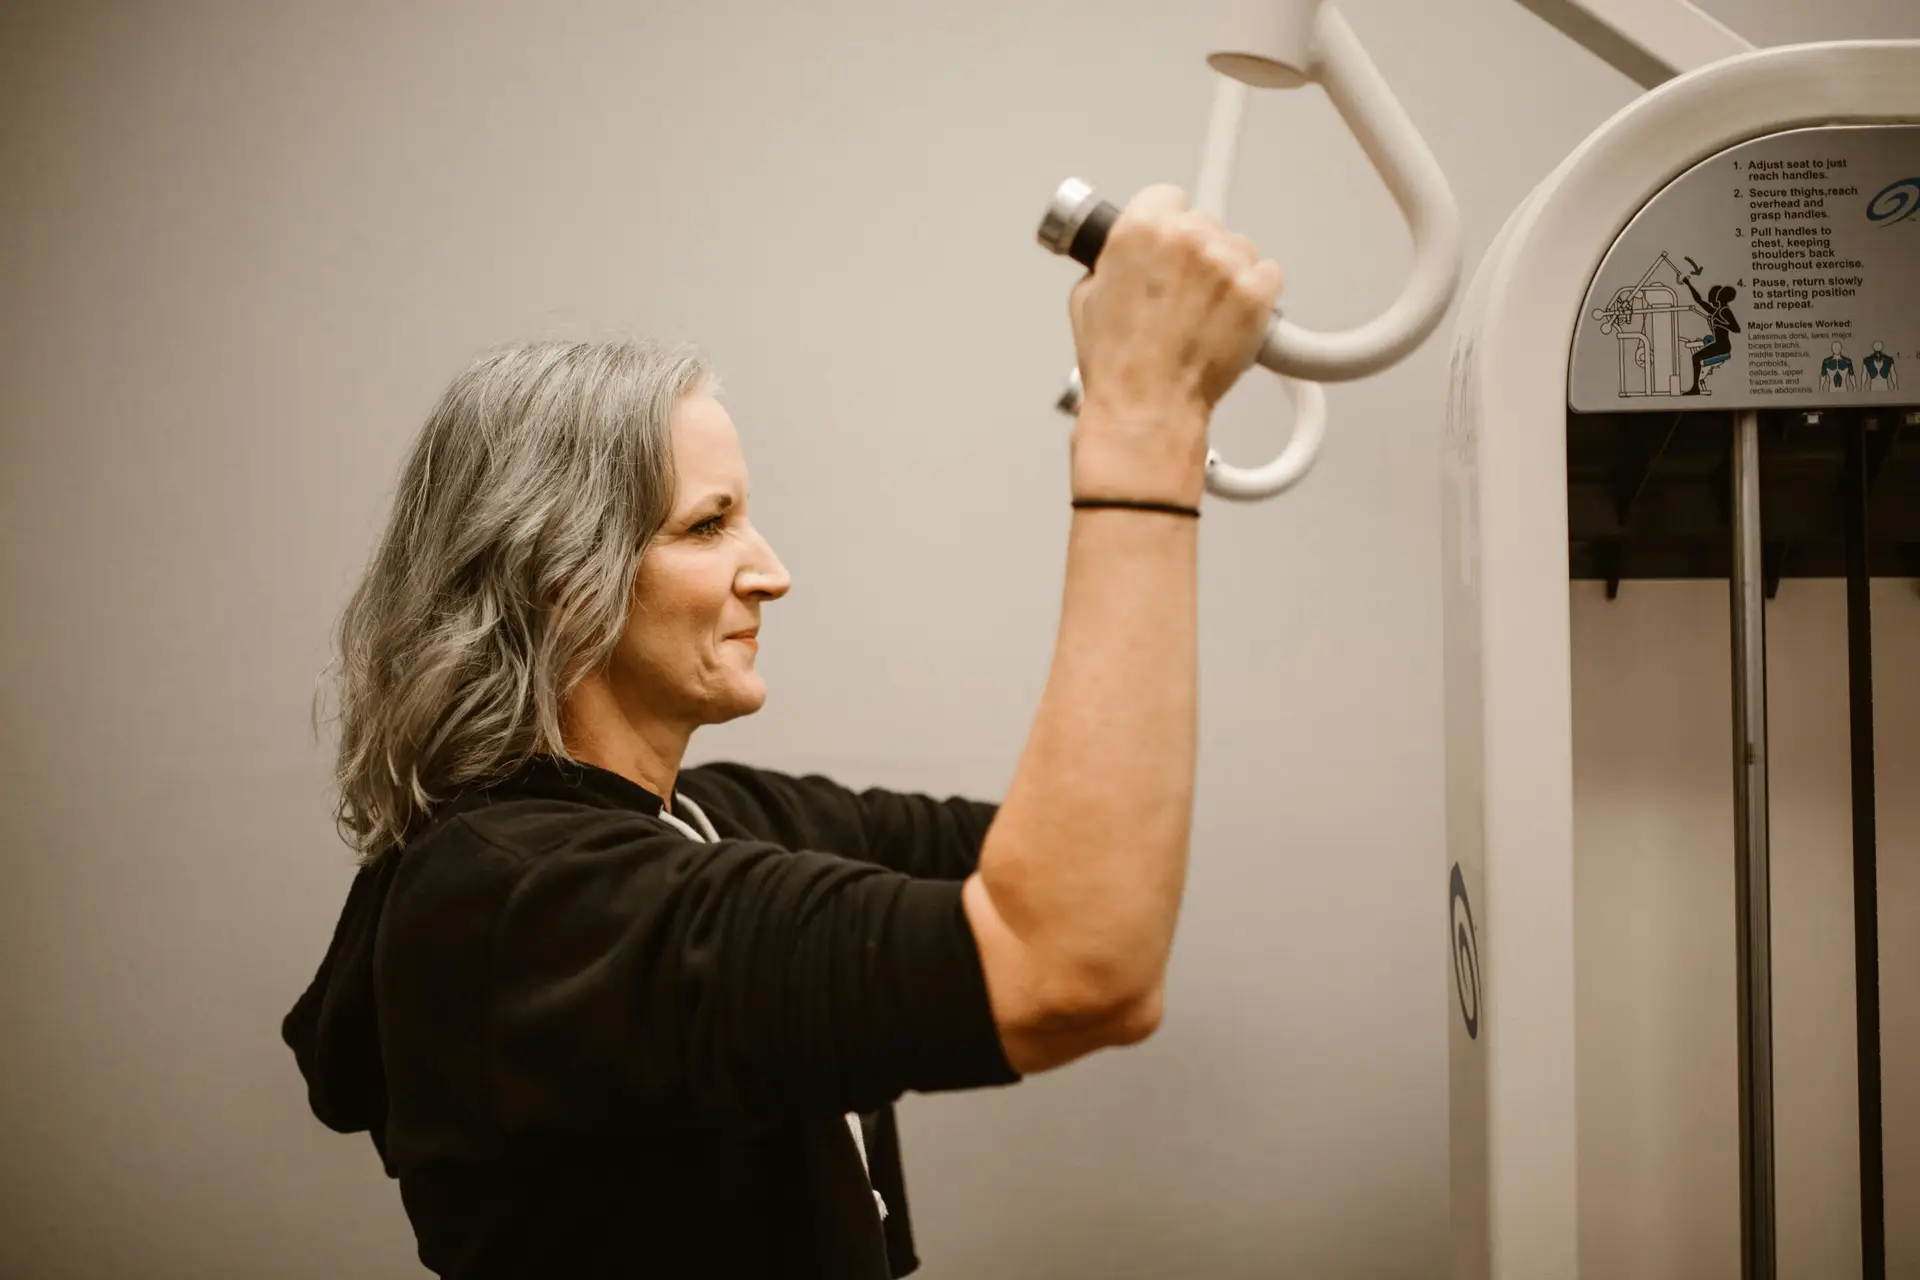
(748, 695)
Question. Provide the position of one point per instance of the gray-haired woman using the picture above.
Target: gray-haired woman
(603, 1015)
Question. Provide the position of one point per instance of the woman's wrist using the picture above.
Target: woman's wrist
(1141, 453)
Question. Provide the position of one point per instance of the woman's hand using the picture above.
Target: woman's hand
(1173, 313)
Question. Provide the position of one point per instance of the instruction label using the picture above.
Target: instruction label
(1783, 273)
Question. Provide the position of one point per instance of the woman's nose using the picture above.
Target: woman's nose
(765, 573)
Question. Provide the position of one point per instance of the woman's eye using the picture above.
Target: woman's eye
(710, 525)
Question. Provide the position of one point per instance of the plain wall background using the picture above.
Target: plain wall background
(243, 247)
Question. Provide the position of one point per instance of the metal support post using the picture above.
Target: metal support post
(1859, 476)
(1753, 930)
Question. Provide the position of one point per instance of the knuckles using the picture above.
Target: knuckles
(1190, 239)
(1197, 243)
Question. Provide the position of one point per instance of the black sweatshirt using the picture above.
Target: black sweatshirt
(588, 1044)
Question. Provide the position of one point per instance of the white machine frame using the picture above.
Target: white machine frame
(1506, 615)
(1509, 731)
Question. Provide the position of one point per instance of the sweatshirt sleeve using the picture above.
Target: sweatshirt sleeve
(634, 973)
(929, 837)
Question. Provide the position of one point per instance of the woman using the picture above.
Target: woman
(1718, 310)
(603, 1015)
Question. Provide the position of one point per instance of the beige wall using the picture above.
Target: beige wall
(242, 246)
(1658, 1071)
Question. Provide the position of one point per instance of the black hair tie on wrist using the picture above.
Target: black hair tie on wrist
(1081, 504)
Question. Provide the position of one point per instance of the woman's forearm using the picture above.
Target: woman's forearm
(1086, 861)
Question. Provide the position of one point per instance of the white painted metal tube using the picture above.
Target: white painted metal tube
(1419, 188)
(1211, 193)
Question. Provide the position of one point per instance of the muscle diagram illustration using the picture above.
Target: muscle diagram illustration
(1836, 371)
(1880, 371)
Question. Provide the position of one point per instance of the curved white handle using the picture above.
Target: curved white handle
(1288, 43)
(1379, 123)
(1302, 357)
(1244, 484)
(1291, 467)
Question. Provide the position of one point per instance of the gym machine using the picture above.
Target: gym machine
(1681, 292)
(1728, 265)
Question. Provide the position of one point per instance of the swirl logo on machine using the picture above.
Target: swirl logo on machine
(1898, 203)
(1466, 955)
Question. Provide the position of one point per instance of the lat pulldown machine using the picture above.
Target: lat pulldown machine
(1698, 273)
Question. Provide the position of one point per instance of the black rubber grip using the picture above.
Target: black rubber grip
(1092, 236)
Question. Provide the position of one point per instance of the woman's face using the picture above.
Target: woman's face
(683, 659)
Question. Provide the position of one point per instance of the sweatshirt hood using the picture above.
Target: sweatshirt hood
(334, 1027)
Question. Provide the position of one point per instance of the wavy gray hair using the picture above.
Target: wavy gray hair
(506, 571)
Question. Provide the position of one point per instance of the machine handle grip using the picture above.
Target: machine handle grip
(1287, 43)
(1091, 236)
(1077, 222)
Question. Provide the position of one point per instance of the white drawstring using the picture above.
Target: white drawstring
(706, 834)
(860, 1141)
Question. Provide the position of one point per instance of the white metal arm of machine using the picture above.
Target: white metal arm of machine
(1648, 41)
(1284, 45)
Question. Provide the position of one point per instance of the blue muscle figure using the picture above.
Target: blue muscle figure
(1836, 371)
(1879, 370)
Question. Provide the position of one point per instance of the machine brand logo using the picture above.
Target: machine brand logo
(1897, 203)
(1466, 955)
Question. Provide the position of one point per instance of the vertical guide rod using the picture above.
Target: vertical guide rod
(1753, 928)
(1866, 897)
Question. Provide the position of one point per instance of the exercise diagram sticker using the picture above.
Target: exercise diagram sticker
(1670, 342)
(1780, 273)
(1466, 955)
